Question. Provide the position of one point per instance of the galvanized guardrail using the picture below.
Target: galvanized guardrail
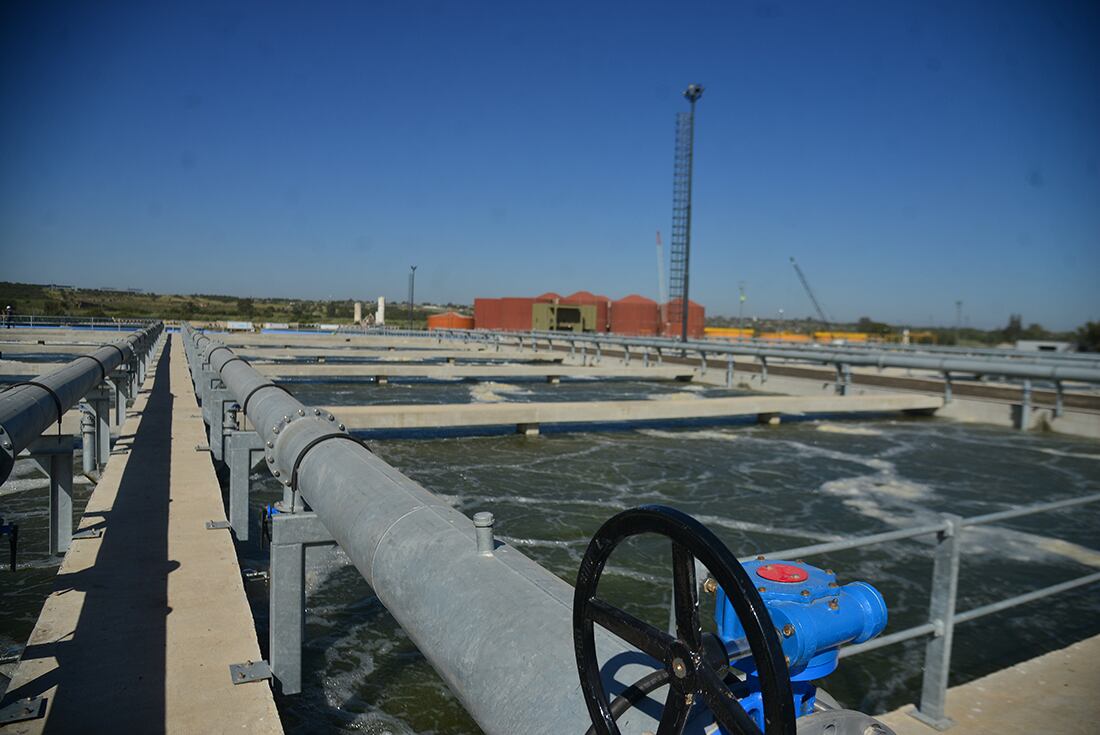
(943, 617)
(1008, 353)
(28, 408)
(31, 321)
(649, 348)
(1080, 359)
(1010, 368)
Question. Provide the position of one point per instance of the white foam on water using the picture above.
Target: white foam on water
(885, 484)
(812, 450)
(635, 575)
(541, 543)
(850, 430)
(708, 520)
(673, 397)
(895, 501)
(1074, 455)
(704, 434)
(1025, 547)
(23, 484)
(523, 500)
(490, 392)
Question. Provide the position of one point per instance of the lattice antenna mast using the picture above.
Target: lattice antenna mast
(680, 246)
(810, 293)
(662, 296)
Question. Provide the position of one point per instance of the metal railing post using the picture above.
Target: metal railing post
(100, 401)
(291, 535)
(729, 371)
(287, 603)
(1025, 405)
(120, 402)
(1059, 399)
(937, 653)
(87, 435)
(240, 447)
(947, 387)
(763, 370)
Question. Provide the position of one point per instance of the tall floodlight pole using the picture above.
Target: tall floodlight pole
(412, 292)
(680, 251)
(958, 319)
(741, 310)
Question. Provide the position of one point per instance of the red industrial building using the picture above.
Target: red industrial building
(487, 313)
(673, 325)
(634, 315)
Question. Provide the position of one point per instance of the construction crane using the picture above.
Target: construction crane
(810, 293)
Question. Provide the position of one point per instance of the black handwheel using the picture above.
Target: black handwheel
(688, 658)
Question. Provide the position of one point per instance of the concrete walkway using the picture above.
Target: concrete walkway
(1057, 693)
(144, 621)
(529, 415)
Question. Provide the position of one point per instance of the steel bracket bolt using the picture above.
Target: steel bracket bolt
(710, 586)
(483, 528)
(678, 668)
(788, 630)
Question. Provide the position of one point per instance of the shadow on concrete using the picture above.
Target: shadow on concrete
(110, 673)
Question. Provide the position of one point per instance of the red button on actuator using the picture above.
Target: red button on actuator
(782, 573)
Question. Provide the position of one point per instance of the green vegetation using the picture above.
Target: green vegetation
(37, 300)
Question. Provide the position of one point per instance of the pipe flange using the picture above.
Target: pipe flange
(281, 451)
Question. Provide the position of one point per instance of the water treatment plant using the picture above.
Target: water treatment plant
(328, 551)
(337, 393)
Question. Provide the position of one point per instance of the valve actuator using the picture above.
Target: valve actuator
(813, 616)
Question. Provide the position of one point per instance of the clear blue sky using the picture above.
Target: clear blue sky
(907, 154)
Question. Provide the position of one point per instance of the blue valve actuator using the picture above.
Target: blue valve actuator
(813, 616)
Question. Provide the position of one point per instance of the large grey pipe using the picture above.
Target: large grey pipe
(497, 628)
(28, 410)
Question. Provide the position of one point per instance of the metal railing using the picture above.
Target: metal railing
(1080, 359)
(943, 616)
(948, 368)
(31, 321)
